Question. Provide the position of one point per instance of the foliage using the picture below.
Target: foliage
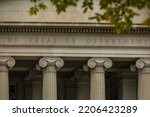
(118, 12)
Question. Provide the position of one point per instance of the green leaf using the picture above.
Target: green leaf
(147, 21)
(42, 6)
(119, 13)
(33, 1)
(118, 30)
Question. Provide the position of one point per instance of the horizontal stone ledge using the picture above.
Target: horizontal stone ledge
(74, 53)
(71, 29)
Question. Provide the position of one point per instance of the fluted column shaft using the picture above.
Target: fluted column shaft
(97, 86)
(82, 79)
(36, 79)
(49, 83)
(5, 62)
(50, 66)
(37, 90)
(83, 90)
(143, 79)
(97, 83)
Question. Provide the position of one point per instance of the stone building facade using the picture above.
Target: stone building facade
(68, 57)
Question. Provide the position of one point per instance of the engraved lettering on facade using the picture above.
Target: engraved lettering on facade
(48, 40)
(54, 41)
(113, 41)
(139, 41)
(67, 40)
(100, 41)
(61, 41)
(89, 41)
(42, 40)
(9, 40)
(132, 41)
(119, 40)
(126, 41)
(145, 41)
(36, 40)
(95, 41)
(2, 40)
(73, 41)
(30, 40)
(14, 40)
(107, 41)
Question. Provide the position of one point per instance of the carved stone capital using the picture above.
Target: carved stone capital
(38, 68)
(51, 61)
(8, 61)
(143, 65)
(81, 76)
(86, 68)
(34, 75)
(143, 62)
(133, 68)
(78, 74)
(103, 62)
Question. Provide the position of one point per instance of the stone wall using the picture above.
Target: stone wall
(17, 11)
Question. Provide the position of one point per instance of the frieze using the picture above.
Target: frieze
(75, 40)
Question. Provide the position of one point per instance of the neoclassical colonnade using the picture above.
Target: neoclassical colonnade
(97, 66)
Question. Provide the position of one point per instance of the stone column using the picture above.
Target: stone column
(36, 78)
(127, 83)
(5, 63)
(36, 90)
(143, 66)
(50, 66)
(97, 86)
(70, 88)
(83, 92)
(28, 88)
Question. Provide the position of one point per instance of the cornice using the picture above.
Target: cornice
(60, 28)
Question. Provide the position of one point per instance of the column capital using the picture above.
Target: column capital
(86, 68)
(9, 61)
(104, 62)
(133, 68)
(143, 65)
(81, 76)
(143, 62)
(34, 75)
(51, 61)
